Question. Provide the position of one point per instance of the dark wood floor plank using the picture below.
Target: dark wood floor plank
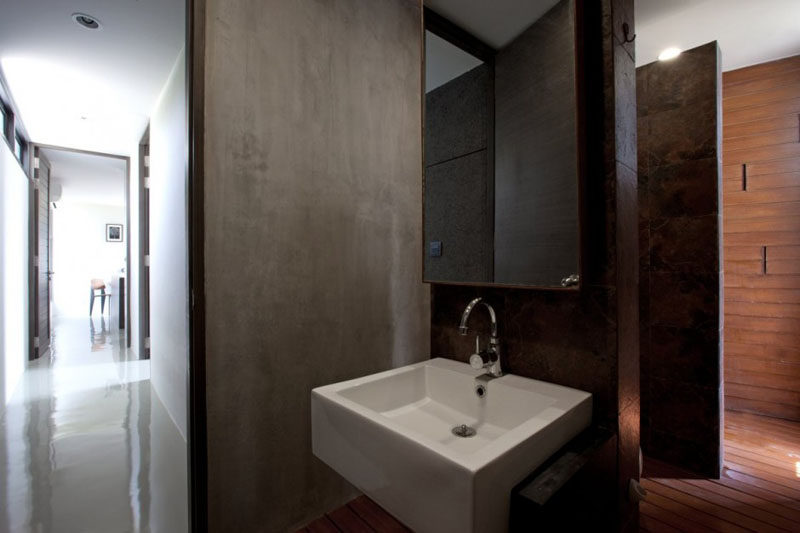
(757, 518)
(723, 518)
(770, 425)
(754, 479)
(754, 438)
(768, 495)
(648, 523)
(768, 456)
(762, 470)
(759, 482)
(751, 498)
(322, 525)
(374, 515)
(698, 520)
(348, 521)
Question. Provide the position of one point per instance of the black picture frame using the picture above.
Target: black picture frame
(113, 232)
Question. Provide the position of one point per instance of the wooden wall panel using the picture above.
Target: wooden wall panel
(761, 228)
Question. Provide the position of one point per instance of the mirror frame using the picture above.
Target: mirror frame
(457, 36)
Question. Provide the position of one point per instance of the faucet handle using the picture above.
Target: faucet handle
(476, 359)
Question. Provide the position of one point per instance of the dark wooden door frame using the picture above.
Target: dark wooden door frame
(195, 98)
(143, 347)
(39, 344)
(127, 160)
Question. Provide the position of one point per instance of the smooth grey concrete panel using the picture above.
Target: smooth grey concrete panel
(457, 215)
(313, 216)
(456, 116)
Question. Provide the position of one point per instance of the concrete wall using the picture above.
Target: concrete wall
(680, 258)
(169, 298)
(313, 234)
(13, 272)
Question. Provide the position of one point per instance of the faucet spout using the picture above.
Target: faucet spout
(493, 351)
(462, 327)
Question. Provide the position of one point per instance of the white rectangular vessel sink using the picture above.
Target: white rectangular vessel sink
(390, 434)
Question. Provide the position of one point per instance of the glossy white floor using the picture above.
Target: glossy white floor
(86, 445)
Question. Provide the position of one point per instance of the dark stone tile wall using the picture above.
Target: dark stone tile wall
(534, 158)
(586, 339)
(457, 214)
(458, 203)
(679, 258)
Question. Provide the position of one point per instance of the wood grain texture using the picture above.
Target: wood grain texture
(761, 233)
(759, 489)
(42, 236)
(360, 515)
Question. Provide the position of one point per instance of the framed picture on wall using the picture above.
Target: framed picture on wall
(114, 232)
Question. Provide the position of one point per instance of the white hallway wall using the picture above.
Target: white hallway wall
(169, 280)
(13, 272)
(169, 292)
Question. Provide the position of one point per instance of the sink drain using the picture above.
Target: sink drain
(464, 431)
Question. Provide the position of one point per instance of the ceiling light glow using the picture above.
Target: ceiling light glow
(669, 53)
(66, 105)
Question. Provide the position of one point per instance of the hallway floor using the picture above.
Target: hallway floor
(759, 489)
(86, 445)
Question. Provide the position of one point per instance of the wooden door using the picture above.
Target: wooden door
(41, 259)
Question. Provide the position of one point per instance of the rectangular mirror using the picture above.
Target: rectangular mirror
(502, 143)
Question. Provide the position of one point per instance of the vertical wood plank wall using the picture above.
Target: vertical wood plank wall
(761, 228)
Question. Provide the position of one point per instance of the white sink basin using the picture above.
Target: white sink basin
(389, 434)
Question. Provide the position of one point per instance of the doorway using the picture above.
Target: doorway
(80, 242)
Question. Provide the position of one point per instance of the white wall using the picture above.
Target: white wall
(80, 253)
(13, 272)
(169, 282)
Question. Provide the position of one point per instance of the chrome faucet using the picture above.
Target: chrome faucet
(492, 352)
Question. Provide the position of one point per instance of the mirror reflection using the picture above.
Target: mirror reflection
(501, 200)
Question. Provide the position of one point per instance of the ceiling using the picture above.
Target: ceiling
(444, 61)
(748, 31)
(87, 179)
(497, 22)
(92, 90)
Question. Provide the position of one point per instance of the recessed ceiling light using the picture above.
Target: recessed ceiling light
(87, 21)
(669, 53)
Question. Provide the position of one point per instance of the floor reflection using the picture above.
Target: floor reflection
(76, 441)
(99, 338)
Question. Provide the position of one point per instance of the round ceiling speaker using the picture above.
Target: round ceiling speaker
(87, 21)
